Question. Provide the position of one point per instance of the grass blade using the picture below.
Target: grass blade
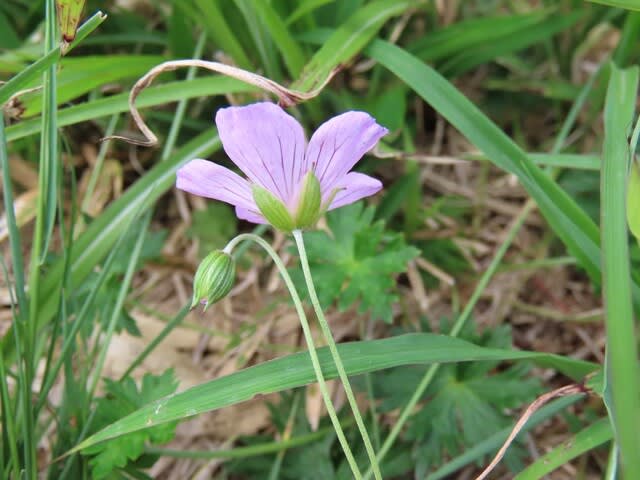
(622, 375)
(348, 40)
(587, 439)
(296, 370)
(568, 220)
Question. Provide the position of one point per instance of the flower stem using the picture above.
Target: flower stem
(310, 343)
(297, 235)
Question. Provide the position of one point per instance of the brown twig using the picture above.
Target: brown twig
(531, 409)
(286, 97)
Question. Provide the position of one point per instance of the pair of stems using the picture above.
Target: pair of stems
(297, 235)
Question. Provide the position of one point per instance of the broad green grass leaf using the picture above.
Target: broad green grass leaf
(628, 4)
(568, 220)
(349, 39)
(154, 95)
(78, 76)
(304, 8)
(8, 36)
(587, 439)
(622, 374)
(19, 81)
(296, 370)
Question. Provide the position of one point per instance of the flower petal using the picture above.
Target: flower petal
(339, 143)
(208, 179)
(250, 215)
(353, 187)
(266, 143)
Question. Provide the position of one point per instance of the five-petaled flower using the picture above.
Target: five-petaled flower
(289, 183)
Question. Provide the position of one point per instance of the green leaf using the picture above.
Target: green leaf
(357, 262)
(296, 370)
(121, 398)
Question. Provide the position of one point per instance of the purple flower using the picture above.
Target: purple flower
(269, 147)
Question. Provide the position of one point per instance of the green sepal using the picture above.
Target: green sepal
(272, 209)
(214, 278)
(309, 202)
(633, 200)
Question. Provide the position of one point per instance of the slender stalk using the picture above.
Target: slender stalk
(6, 411)
(326, 330)
(117, 309)
(310, 343)
(274, 474)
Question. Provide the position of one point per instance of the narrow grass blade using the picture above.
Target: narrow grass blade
(349, 39)
(291, 52)
(587, 439)
(628, 4)
(12, 226)
(296, 370)
(493, 443)
(567, 219)
(96, 242)
(217, 27)
(622, 374)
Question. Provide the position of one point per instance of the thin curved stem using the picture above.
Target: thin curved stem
(324, 325)
(308, 338)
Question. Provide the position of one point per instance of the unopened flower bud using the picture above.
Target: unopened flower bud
(214, 278)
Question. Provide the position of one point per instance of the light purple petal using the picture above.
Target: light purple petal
(266, 143)
(211, 180)
(250, 215)
(338, 145)
(353, 187)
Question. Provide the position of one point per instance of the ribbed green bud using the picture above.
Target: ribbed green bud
(272, 209)
(308, 211)
(214, 278)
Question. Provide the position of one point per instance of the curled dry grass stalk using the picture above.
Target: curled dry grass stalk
(286, 97)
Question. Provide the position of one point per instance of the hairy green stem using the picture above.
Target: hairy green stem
(324, 325)
(308, 338)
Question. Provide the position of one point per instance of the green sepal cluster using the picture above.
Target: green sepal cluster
(633, 200)
(214, 278)
(308, 208)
